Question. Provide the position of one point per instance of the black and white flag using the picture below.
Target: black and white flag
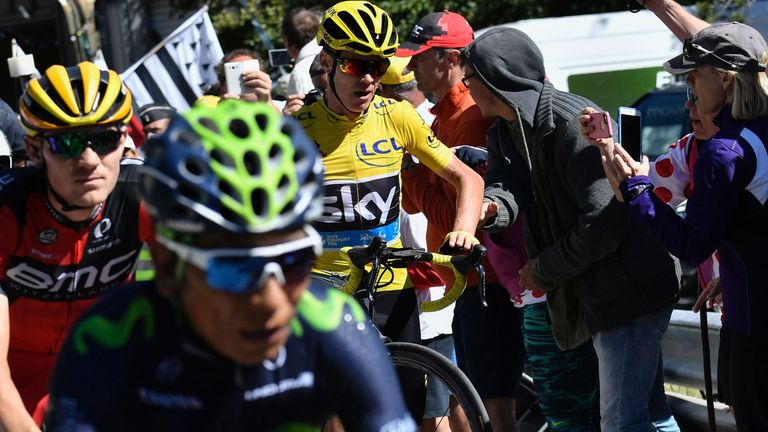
(179, 68)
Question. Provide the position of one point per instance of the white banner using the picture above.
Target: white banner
(176, 71)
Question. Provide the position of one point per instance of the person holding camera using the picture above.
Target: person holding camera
(583, 248)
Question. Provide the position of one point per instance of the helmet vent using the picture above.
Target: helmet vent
(334, 30)
(275, 151)
(352, 24)
(190, 192)
(230, 215)
(262, 121)
(227, 189)
(209, 124)
(222, 158)
(284, 181)
(252, 163)
(298, 156)
(187, 137)
(180, 211)
(194, 167)
(288, 207)
(368, 24)
(370, 8)
(286, 130)
(359, 47)
(259, 202)
(239, 128)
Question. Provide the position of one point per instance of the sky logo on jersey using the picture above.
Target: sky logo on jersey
(371, 153)
(366, 204)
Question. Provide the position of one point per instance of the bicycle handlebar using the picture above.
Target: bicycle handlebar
(377, 253)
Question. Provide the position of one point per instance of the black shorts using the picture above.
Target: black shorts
(489, 341)
(396, 316)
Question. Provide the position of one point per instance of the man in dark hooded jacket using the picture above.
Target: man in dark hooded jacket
(583, 248)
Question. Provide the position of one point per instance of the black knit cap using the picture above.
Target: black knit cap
(155, 111)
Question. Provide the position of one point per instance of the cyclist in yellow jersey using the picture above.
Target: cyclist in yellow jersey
(362, 138)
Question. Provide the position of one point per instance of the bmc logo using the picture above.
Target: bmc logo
(79, 279)
(368, 153)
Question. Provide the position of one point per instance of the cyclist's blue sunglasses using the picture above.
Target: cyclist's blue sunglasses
(70, 145)
(241, 270)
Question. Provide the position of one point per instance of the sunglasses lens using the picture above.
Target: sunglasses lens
(239, 274)
(359, 68)
(71, 145)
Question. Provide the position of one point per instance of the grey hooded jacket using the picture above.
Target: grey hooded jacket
(600, 271)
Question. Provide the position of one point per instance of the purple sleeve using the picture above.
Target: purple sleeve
(718, 178)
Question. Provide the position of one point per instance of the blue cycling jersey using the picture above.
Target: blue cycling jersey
(131, 364)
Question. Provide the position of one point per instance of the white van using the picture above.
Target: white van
(611, 58)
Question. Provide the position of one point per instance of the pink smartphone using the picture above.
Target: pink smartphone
(600, 124)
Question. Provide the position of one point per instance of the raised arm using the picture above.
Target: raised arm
(681, 22)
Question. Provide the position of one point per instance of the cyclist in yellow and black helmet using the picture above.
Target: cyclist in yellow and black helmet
(363, 137)
(71, 229)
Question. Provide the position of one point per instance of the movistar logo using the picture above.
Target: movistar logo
(326, 315)
(115, 334)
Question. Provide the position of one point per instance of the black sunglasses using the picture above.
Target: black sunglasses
(71, 145)
(360, 68)
(697, 53)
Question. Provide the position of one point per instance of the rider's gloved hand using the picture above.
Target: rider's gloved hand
(473, 157)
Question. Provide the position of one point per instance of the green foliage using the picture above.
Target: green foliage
(233, 22)
(722, 10)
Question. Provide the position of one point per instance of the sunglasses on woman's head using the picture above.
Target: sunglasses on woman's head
(72, 144)
(360, 67)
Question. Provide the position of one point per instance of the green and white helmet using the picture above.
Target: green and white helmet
(239, 167)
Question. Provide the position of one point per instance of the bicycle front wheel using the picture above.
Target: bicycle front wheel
(434, 364)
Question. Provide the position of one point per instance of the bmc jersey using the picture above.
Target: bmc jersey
(362, 158)
(50, 267)
(131, 364)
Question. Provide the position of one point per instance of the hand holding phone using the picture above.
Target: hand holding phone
(630, 131)
(600, 125)
(233, 72)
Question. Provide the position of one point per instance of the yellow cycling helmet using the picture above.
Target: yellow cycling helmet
(359, 27)
(71, 97)
(395, 73)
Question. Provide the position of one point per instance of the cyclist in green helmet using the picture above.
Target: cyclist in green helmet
(230, 335)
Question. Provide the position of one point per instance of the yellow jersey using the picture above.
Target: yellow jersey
(362, 158)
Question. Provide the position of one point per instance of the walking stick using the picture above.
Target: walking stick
(707, 365)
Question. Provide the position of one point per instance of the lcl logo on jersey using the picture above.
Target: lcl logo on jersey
(367, 152)
(102, 227)
(47, 236)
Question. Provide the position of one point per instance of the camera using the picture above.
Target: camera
(312, 96)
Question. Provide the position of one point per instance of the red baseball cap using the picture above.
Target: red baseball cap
(444, 29)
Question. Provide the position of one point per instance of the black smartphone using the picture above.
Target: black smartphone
(280, 57)
(630, 131)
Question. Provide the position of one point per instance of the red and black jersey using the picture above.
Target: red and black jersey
(50, 267)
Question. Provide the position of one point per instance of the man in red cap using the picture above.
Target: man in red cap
(435, 44)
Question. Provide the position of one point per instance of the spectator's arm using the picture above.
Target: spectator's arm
(677, 19)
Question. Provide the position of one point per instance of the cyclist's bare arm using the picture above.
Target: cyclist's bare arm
(678, 20)
(13, 414)
(469, 190)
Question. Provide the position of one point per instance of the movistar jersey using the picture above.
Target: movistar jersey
(130, 365)
(362, 159)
